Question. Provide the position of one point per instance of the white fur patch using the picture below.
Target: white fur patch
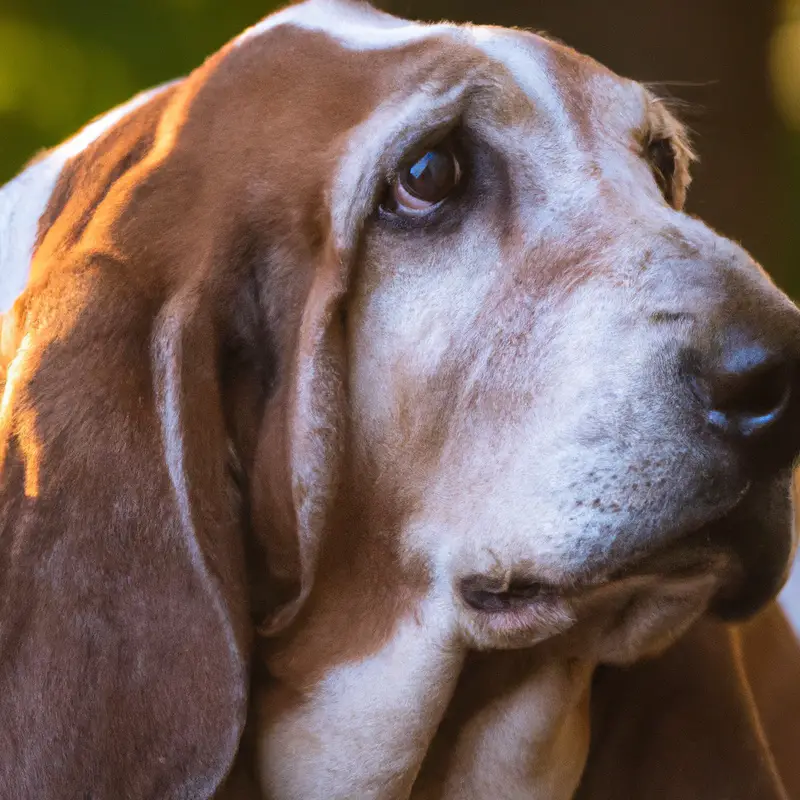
(529, 743)
(530, 68)
(25, 198)
(354, 27)
(364, 731)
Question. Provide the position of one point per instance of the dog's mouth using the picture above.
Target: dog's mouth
(488, 595)
(732, 564)
(639, 607)
(481, 593)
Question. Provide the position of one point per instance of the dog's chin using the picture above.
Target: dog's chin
(732, 567)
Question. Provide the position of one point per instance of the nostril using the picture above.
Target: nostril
(756, 400)
(748, 392)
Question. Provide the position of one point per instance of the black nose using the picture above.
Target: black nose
(746, 388)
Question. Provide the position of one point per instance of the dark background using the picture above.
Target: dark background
(736, 63)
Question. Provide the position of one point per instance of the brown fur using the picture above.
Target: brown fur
(165, 215)
(180, 467)
(690, 724)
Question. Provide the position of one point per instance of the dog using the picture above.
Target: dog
(393, 344)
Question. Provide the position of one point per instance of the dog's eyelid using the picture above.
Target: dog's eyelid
(431, 152)
(441, 135)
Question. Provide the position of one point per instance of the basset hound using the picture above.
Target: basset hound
(375, 424)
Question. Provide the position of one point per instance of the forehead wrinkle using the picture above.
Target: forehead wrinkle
(588, 107)
(529, 59)
(591, 87)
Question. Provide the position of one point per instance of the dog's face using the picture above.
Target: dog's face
(417, 310)
(567, 400)
(540, 342)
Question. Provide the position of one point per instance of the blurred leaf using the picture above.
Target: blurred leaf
(63, 62)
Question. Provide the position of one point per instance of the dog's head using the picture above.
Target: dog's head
(483, 381)
(562, 394)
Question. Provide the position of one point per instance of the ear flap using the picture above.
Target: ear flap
(297, 464)
(691, 723)
(123, 617)
(770, 655)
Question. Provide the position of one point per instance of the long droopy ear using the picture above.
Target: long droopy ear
(175, 393)
(124, 627)
(715, 716)
(294, 478)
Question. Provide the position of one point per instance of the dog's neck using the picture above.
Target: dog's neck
(518, 727)
(422, 719)
(376, 682)
(366, 725)
(374, 693)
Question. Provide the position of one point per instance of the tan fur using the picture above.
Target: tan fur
(239, 394)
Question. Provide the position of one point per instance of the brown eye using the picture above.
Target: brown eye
(661, 155)
(425, 183)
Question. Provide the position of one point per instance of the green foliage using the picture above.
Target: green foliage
(62, 63)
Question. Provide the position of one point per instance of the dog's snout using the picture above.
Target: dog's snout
(748, 388)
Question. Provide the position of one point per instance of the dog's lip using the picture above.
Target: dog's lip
(480, 593)
(531, 612)
(518, 614)
(523, 594)
(678, 557)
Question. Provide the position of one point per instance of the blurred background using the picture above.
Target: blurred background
(735, 63)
